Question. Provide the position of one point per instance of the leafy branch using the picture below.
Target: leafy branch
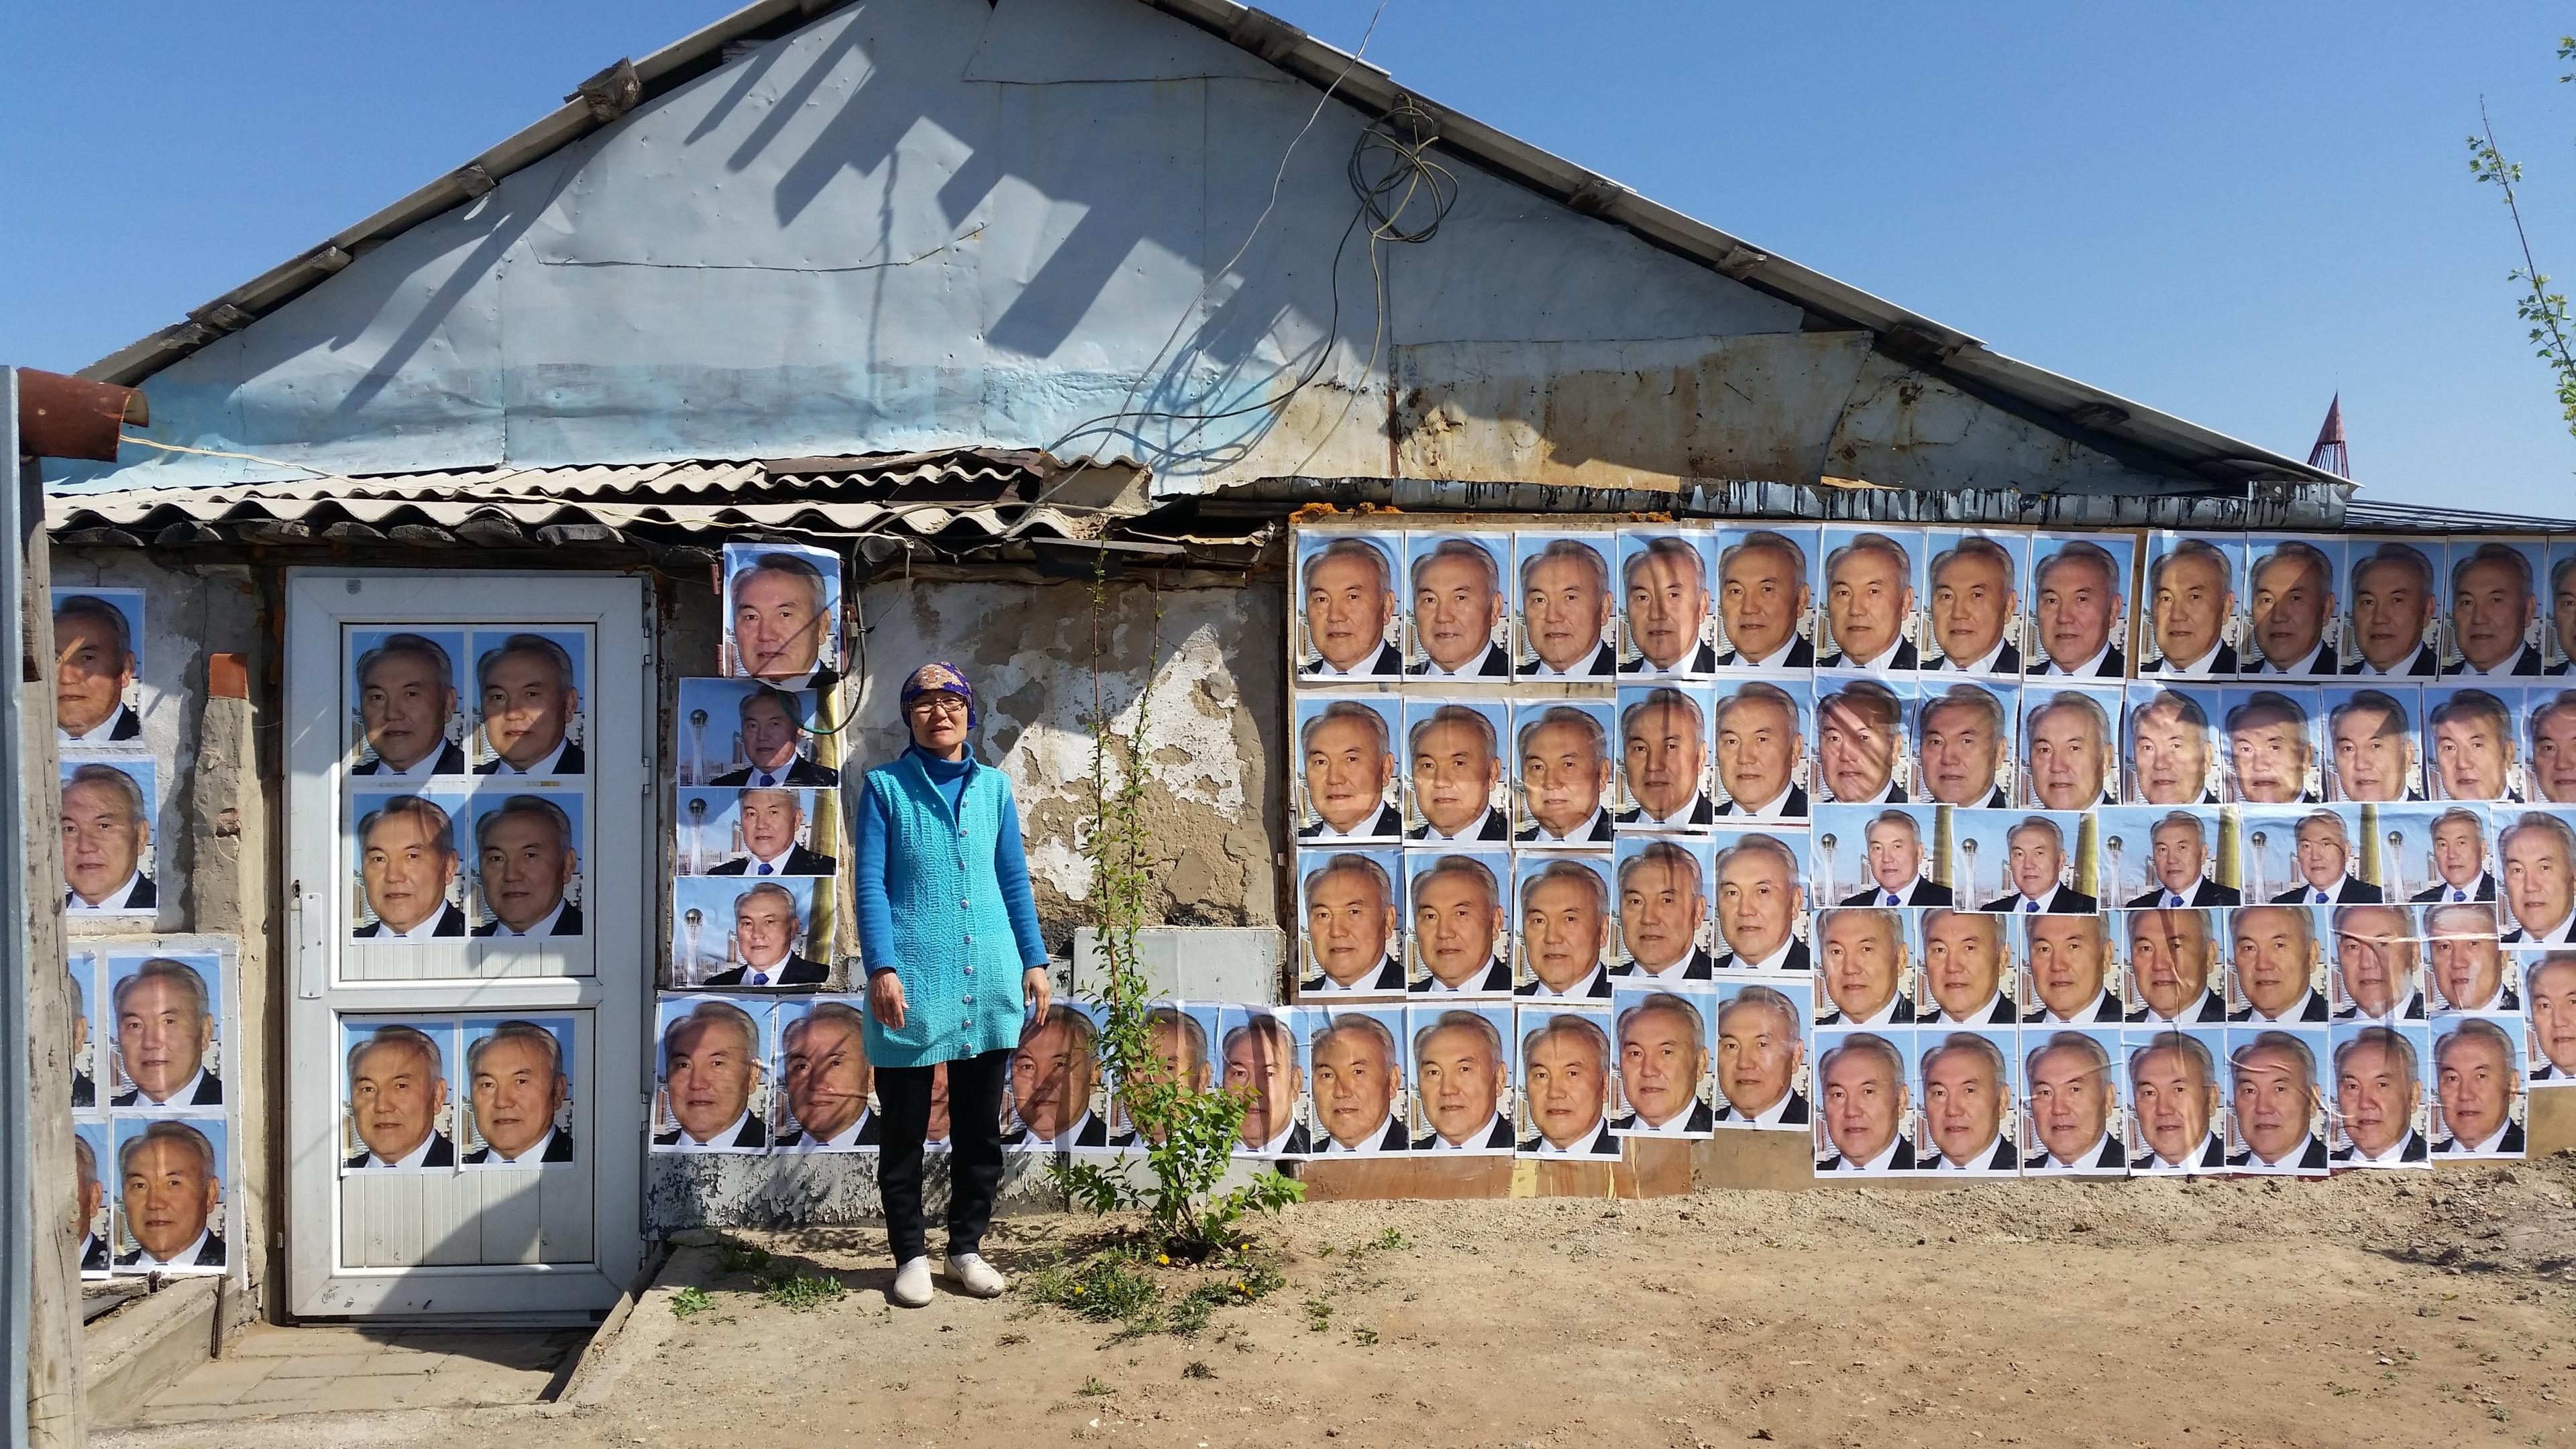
(2544, 310)
(1187, 1129)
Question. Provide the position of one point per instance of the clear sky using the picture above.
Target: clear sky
(2225, 211)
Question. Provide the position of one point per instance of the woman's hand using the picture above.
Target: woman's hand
(1040, 991)
(885, 999)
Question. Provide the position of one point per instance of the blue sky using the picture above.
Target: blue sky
(2227, 212)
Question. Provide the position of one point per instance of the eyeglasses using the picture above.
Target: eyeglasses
(936, 704)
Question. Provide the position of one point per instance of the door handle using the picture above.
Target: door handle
(306, 907)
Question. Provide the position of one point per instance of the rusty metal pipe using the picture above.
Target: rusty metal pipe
(70, 417)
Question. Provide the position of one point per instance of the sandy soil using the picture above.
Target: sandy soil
(2417, 1310)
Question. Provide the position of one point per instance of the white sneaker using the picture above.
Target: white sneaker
(976, 1278)
(912, 1283)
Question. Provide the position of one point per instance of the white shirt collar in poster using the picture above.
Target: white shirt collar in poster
(2493, 1143)
(1679, 1126)
(1582, 1145)
(1473, 830)
(2191, 1009)
(1477, 1138)
(2289, 1160)
(2091, 1154)
(1366, 984)
(546, 766)
(1885, 1156)
(1071, 1136)
(1973, 1162)
(1669, 971)
(2556, 935)
(1431, 668)
(1984, 664)
(533, 1155)
(2091, 1012)
(115, 900)
(413, 1158)
(2196, 669)
(2086, 670)
(1326, 830)
(1778, 658)
(185, 1096)
(1582, 989)
(427, 930)
(2395, 1156)
(2298, 1009)
(1770, 1116)
(105, 730)
(1772, 808)
(2199, 1153)
(2307, 662)
(544, 926)
(1278, 1146)
(1681, 814)
(184, 1258)
(1882, 1016)
(1582, 832)
(846, 1138)
(420, 769)
(1885, 660)
(1773, 962)
(1369, 1145)
(722, 1142)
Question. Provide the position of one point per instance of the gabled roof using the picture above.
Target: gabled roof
(2088, 415)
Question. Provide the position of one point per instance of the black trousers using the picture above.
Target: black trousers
(974, 1155)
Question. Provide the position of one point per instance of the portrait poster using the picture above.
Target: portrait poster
(1879, 855)
(1767, 584)
(2480, 1101)
(98, 669)
(2276, 965)
(2172, 969)
(1564, 793)
(172, 1187)
(1967, 976)
(2465, 965)
(757, 832)
(2549, 1006)
(737, 732)
(526, 864)
(1455, 772)
(1972, 601)
(1463, 1069)
(2316, 855)
(1348, 624)
(2438, 853)
(2177, 1097)
(2072, 970)
(93, 1211)
(1665, 779)
(1968, 1101)
(2493, 610)
(1350, 937)
(1761, 901)
(93, 1025)
(1568, 620)
(2191, 613)
(1964, 732)
(398, 1108)
(1872, 599)
(110, 860)
(2078, 604)
(2548, 741)
(1459, 605)
(774, 934)
(1459, 907)
(1763, 726)
(2172, 749)
(1567, 1058)
(782, 613)
(711, 1079)
(407, 877)
(2072, 1106)
(1865, 1095)
(1666, 628)
(2393, 594)
(1762, 1030)
(2297, 607)
(1667, 934)
(1861, 739)
(1181, 1038)
(1058, 1099)
(2380, 1114)
(2473, 742)
(2374, 743)
(517, 1085)
(409, 700)
(1663, 1082)
(1866, 957)
(167, 1020)
(2026, 862)
(2275, 744)
(529, 684)
(2070, 746)
(1261, 1053)
(2165, 856)
(1355, 1081)
(2560, 608)
(2278, 1109)
(1565, 908)
(2535, 852)
(2375, 966)
(1345, 789)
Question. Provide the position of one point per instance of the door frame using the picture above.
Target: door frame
(618, 876)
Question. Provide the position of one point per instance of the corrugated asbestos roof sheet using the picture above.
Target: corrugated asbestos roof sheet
(959, 498)
(2377, 517)
(2074, 408)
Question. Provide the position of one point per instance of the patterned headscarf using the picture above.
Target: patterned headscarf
(940, 676)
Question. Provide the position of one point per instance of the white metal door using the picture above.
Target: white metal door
(469, 841)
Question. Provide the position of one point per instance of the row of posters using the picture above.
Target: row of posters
(1674, 601)
(111, 784)
(152, 1116)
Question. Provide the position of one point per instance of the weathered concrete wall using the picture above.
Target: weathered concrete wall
(1212, 720)
(217, 762)
(924, 224)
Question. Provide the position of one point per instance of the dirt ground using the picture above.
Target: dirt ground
(2423, 1309)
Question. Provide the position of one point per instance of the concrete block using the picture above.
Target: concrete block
(145, 1347)
(1192, 963)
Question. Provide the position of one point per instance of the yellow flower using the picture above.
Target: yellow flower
(1163, 1258)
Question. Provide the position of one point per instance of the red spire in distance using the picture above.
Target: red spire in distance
(2329, 453)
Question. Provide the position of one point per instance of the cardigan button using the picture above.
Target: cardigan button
(970, 970)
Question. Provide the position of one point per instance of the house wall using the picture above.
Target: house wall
(919, 224)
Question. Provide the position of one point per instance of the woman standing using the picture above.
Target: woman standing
(949, 935)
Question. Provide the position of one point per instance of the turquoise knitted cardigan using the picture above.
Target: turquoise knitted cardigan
(950, 934)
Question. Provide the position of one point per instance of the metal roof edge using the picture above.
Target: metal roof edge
(1918, 340)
